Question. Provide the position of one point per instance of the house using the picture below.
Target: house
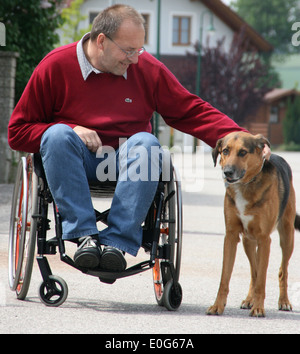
(269, 117)
(180, 22)
(173, 27)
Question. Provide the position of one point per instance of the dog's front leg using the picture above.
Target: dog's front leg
(263, 253)
(250, 250)
(230, 245)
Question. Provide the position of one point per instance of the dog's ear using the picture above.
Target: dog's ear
(261, 141)
(216, 151)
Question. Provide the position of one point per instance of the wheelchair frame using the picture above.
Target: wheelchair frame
(29, 223)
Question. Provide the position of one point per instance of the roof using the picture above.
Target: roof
(279, 93)
(236, 23)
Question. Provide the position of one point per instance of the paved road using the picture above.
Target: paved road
(129, 306)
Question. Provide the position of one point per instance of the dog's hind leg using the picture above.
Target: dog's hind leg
(286, 232)
(250, 250)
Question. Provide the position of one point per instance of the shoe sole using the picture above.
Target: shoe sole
(112, 261)
(86, 259)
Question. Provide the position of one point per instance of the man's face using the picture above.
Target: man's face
(129, 38)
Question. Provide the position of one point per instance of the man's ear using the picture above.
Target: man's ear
(261, 141)
(216, 151)
(100, 40)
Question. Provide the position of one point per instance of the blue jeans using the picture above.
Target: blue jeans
(69, 165)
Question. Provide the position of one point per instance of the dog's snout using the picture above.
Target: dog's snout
(232, 174)
(228, 171)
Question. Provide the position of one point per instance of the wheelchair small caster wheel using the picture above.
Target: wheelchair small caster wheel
(54, 291)
(172, 297)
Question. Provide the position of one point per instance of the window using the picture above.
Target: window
(181, 30)
(92, 16)
(274, 116)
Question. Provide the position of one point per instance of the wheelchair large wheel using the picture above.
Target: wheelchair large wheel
(171, 234)
(22, 231)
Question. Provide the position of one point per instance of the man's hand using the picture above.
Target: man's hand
(266, 152)
(89, 137)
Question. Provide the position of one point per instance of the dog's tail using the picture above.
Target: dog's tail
(297, 222)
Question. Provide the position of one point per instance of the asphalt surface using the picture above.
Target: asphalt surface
(129, 305)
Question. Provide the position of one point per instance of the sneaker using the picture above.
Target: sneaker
(112, 260)
(88, 253)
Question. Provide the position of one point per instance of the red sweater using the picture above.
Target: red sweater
(111, 105)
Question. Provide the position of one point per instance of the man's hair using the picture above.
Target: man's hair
(109, 20)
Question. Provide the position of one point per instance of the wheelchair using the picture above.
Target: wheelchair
(30, 225)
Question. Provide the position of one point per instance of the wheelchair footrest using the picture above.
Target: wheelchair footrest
(106, 275)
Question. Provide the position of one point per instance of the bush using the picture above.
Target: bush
(30, 31)
(289, 147)
(291, 123)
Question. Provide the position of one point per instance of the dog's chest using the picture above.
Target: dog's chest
(241, 205)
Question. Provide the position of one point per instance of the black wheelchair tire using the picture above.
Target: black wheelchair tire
(162, 275)
(53, 292)
(171, 299)
(22, 232)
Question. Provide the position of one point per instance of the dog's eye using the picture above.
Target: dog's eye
(225, 152)
(242, 153)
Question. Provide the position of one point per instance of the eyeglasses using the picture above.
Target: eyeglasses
(129, 54)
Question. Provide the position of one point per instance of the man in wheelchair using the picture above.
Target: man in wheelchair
(86, 96)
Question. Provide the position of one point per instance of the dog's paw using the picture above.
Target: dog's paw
(257, 312)
(284, 305)
(215, 310)
(246, 304)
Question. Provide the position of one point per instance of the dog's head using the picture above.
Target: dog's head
(241, 156)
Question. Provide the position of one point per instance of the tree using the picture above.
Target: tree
(72, 17)
(235, 82)
(30, 31)
(273, 19)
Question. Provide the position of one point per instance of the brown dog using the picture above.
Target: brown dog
(259, 197)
